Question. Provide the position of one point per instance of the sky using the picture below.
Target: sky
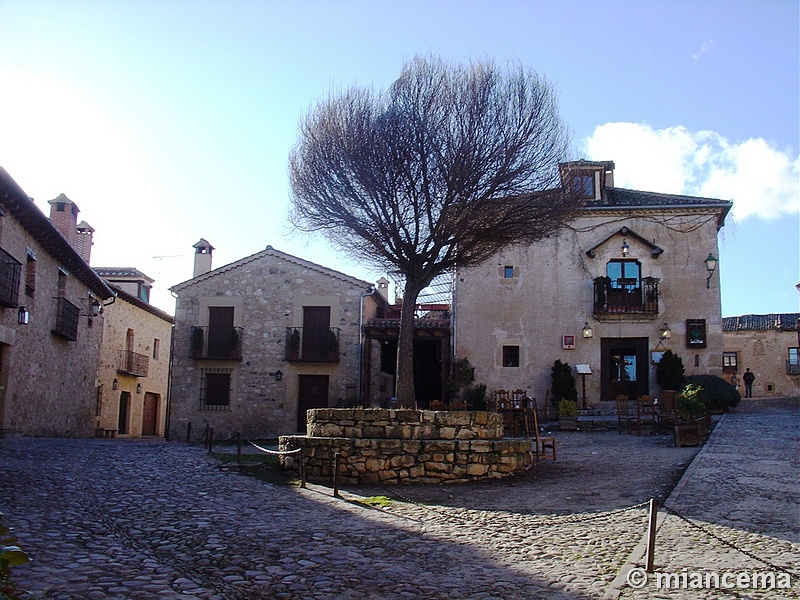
(172, 120)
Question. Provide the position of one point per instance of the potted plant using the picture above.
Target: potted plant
(690, 412)
(333, 345)
(567, 415)
(294, 345)
(197, 342)
(669, 372)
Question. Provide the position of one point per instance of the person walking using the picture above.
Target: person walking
(748, 379)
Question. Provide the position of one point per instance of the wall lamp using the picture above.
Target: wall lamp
(587, 331)
(23, 316)
(138, 388)
(625, 247)
(91, 307)
(115, 384)
(665, 332)
(278, 375)
(711, 265)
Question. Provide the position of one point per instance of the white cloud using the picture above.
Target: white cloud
(762, 180)
(705, 47)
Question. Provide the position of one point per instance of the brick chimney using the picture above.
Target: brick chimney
(202, 257)
(83, 240)
(64, 215)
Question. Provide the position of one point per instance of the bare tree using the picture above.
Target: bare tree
(445, 168)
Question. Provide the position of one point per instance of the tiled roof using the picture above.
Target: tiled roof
(131, 299)
(107, 272)
(621, 197)
(778, 322)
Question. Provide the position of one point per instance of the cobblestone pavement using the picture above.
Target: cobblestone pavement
(117, 519)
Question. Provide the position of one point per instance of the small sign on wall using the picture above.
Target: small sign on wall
(695, 333)
(568, 342)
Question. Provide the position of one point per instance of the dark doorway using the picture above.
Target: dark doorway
(313, 393)
(427, 372)
(124, 409)
(220, 327)
(624, 367)
(150, 414)
(316, 327)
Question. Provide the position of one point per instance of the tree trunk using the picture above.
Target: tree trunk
(406, 396)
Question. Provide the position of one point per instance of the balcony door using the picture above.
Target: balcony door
(220, 329)
(316, 327)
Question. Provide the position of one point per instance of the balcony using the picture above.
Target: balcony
(304, 344)
(67, 315)
(216, 343)
(132, 363)
(626, 296)
(10, 270)
(792, 368)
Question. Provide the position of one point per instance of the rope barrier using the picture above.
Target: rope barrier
(275, 452)
(730, 544)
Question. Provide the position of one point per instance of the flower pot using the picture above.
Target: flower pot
(687, 434)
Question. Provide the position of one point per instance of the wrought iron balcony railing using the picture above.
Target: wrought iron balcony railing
(67, 315)
(626, 296)
(216, 343)
(311, 344)
(133, 363)
(792, 368)
(10, 272)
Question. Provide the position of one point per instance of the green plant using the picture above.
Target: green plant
(601, 285)
(197, 338)
(475, 397)
(294, 341)
(463, 374)
(716, 393)
(562, 383)
(567, 408)
(688, 404)
(669, 371)
(11, 555)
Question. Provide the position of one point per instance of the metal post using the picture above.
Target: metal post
(302, 469)
(210, 439)
(336, 459)
(651, 535)
(188, 432)
(238, 448)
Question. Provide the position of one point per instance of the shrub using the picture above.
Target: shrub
(567, 408)
(715, 393)
(475, 397)
(688, 404)
(669, 371)
(562, 383)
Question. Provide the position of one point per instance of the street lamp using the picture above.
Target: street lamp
(711, 265)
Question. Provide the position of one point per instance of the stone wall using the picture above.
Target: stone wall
(406, 446)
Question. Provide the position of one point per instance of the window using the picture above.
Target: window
(67, 315)
(508, 272)
(624, 274)
(584, 186)
(510, 356)
(10, 271)
(730, 362)
(794, 357)
(156, 348)
(30, 274)
(215, 389)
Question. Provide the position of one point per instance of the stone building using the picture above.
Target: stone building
(769, 345)
(134, 360)
(259, 341)
(635, 274)
(51, 322)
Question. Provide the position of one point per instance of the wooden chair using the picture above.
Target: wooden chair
(645, 414)
(542, 445)
(624, 415)
(666, 416)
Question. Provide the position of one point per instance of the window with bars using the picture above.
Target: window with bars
(10, 272)
(510, 356)
(215, 389)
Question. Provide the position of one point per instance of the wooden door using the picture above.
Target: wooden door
(124, 409)
(313, 393)
(625, 367)
(316, 326)
(220, 329)
(150, 414)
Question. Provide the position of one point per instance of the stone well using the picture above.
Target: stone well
(406, 446)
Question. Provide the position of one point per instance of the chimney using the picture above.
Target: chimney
(383, 288)
(83, 240)
(202, 257)
(64, 215)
